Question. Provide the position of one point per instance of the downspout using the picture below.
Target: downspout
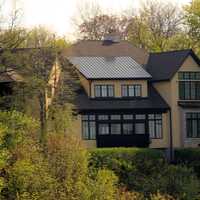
(171, 148)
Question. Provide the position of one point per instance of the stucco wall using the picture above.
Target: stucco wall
(164, 141)
(169, 90)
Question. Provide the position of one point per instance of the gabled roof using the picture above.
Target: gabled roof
(153, 102)
(162, 66)
(98, 48)
(109, 68)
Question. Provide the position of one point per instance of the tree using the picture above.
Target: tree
(156, 26)
(192, 20)
(97, 27)
(93, 23)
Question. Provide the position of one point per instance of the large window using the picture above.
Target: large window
(88, 127)
(189, 85)
(104, 90)
(193, 125)
(117, 124)
(155, 126)
(131, 90)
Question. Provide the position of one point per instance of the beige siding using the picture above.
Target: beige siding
(77, 124)
(164, 141)
(117, 85)
(169, 90)
(85, 83)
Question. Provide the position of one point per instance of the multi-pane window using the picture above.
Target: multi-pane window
(127, 124)
(193, 125)
(88, 127)
(104, 90)
(127, 128)
(115, 128)
(189, 85)
(131, 90)
(104, 129)
(155, 126)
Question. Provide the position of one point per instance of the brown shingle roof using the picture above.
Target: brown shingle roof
(98, 48)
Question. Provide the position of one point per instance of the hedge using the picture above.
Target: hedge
(189, 157)
(126, 161)
(146, 171)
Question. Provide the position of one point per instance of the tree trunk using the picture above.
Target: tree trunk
(43, 117)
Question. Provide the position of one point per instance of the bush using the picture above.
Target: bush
(146, 172)
(189, 157)
(125, 161)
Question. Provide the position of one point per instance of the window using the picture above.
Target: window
(88, 127)
(128, 117)
(103, 117)
(131, 90)
(155, 126)
(127, 128)
(115, 129)
(189, 85)
(140, 116)
(103, 129)
(104, 90)
(139, 128)
(115, 117)
(193, 125)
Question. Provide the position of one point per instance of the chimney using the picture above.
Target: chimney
(111, 37)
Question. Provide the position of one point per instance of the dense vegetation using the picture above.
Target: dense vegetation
(63, 169)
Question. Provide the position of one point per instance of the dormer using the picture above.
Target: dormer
(112, 77)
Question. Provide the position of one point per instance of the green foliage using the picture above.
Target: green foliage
(146, 171)
(192, 17)
(125, 161)
(104, 186)
(28, 180)
(189, 157)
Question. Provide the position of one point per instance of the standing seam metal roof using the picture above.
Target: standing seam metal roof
(109, 67)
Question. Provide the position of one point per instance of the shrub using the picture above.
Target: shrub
(146, 171)
(189, 157)
(126, 161)
(104, 187)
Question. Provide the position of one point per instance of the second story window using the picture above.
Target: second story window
(104, 90)
(131, 90)
(189, 85)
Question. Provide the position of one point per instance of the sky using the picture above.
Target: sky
(57, 15)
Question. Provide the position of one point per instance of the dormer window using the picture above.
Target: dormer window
(104, 91)
(131, 90)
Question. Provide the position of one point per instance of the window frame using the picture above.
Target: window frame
(88, 121)
(156, 121)
(108, 86)
(137, 88)
(191, 120)
(189, 86)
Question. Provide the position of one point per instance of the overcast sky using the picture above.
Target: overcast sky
(57, 14)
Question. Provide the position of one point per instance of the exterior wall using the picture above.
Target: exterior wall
(85, 83)
(188, 142)
(117, 85)
(164, 141)
(78, 131)
(169, 90)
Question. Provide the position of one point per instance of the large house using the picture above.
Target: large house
(132, 98)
